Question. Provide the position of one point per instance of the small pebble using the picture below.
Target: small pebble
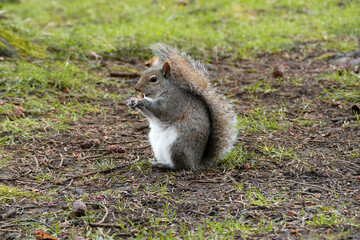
(79, 208)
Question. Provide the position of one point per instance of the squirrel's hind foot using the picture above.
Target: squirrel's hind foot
(158, 164)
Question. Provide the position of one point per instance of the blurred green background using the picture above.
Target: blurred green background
(236, 28)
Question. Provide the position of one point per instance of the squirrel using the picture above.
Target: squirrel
(190, 123)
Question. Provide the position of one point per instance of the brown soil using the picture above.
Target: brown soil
(325, 174)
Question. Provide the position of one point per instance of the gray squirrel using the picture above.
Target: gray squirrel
(190, 123)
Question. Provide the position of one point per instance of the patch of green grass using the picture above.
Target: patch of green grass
(230, 228)
(105, 163)
(21, 127)
(9, 194)
(237, 157)
(261, 120)
(297, 81)
(328, 216)
(52, 94)
(278, 152)
(327, 220)
(169, 214)
(22, 78)
(260, 86)
(140, 166)
(210, 229)
(256, 198)
(355, 154)
(42, 175)
(5, 159)
(342, 86)
(219, 27)
(22, 46)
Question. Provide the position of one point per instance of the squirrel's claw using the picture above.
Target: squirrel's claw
(132, 102)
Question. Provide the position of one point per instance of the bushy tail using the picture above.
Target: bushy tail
(192, 75)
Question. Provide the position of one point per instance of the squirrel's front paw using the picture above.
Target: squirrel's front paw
(132, 102)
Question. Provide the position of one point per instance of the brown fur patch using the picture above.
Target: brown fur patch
(184, 72)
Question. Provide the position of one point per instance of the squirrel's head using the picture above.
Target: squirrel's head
(153, 79)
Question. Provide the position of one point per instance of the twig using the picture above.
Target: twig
(67, 185)
(106, 213)
(237, 93)
(100, 223)
(122, 59)
(350, 163)
(141, 147)
(343, 119)
(198, 213)
(114, 225)
(62, 160)
(99, 172)
(26, 222)
(124, 74)
(307, 184)
(122, 142)
(8, 214)
(7, 178)
(37, 163)
(92, 156)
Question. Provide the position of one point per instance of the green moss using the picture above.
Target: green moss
(6, 49)
(22, 46)
(10, 193)
(2, 45)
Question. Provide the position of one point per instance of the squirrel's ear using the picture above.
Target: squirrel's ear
(154, 61)
(166, 68)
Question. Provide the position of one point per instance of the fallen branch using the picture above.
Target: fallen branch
(92, 156)
(355, 165)
(11, 212)
(343, 119)
(26, 222)
(306, 184)
(118, 58)
(125, 74)
(8, 178)
(113, 225)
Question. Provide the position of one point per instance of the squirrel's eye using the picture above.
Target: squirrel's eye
(153, 79)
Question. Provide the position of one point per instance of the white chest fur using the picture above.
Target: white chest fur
(161, 136)
(161, 139)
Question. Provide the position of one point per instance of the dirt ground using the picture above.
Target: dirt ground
(102, 160)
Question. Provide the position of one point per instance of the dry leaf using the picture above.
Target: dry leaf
(115, 149)
(18, 112)
(90, 143)
(40, 234)
(278, 72)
